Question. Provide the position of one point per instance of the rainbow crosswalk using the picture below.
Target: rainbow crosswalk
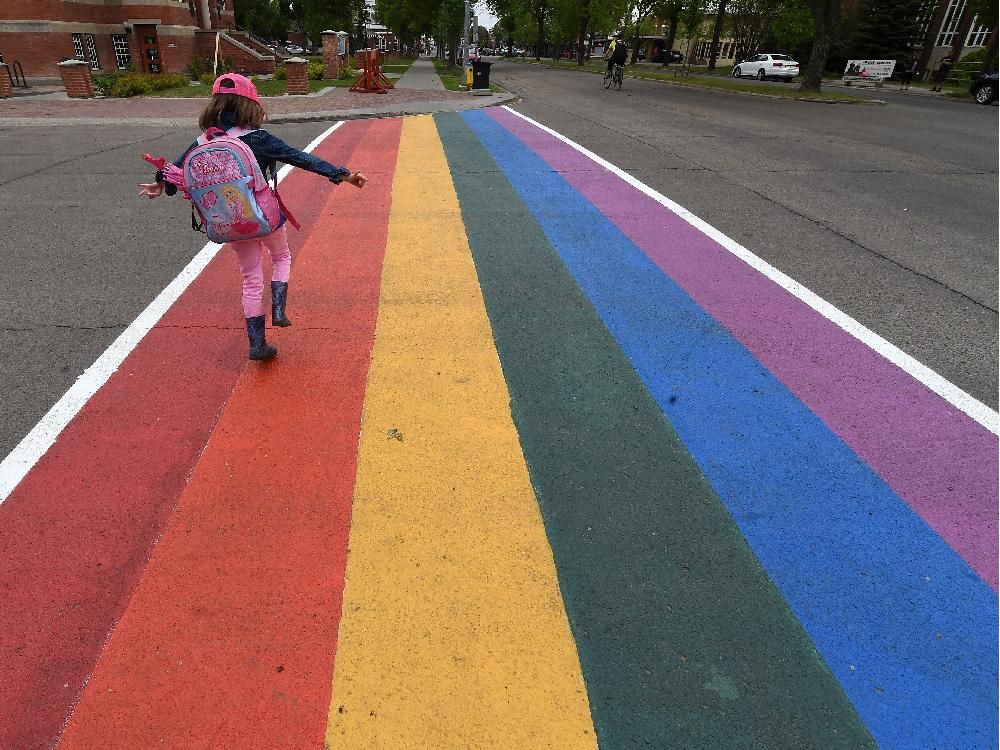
(542, 463)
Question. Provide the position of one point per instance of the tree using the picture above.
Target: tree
(692, 19)
(750, 23)
(720, 16)
(792, 27)
(826, 21)
(449, 22)
(671, 13)
(887, 29)
(262, 17)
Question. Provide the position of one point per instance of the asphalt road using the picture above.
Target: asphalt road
(888, 212)
(82, 254)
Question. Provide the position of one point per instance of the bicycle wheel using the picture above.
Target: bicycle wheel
(619, 78)
(608, 78)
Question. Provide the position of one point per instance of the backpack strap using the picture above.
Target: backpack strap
(281, 205)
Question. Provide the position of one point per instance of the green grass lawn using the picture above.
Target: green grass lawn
(721, 80)
(270, 87)
(398, 66)
(450, 77)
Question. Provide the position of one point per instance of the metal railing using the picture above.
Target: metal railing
(253, 37)
(15, 73)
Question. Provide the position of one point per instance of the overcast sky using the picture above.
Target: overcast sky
(486, 19)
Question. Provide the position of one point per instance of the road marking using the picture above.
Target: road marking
(33, 446)
(939, 461)
(954, 395)
(236, 612)
(454, 632)
(817, 518)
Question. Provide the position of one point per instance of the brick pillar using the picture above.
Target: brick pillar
(298, 81)
(76, 78)
(5, 89)
(331, 59)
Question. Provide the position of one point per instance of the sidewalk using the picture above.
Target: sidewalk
(422, 76)
(421, 94)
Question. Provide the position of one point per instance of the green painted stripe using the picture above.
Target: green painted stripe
(683, 639)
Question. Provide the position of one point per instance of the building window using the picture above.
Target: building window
(123, 57)
(977, 35)
(78, 47)
(92, 51)
(946, 38)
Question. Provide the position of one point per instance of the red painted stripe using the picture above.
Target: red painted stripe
(229, 638)
(76, 534)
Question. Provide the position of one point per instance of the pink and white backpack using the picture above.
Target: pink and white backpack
(225, 184)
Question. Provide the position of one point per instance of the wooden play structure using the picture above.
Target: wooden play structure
(372, 80)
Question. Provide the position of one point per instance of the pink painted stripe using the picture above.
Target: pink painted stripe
(942, 463)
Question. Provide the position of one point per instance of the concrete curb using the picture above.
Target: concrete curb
(403, 110)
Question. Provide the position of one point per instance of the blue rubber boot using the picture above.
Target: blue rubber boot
(279, 296)
(259, 348)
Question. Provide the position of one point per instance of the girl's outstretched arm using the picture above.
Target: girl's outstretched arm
(271, 148)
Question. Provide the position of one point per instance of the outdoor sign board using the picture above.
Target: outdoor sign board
(868, 71)
(341, 43)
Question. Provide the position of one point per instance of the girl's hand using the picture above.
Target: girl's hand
(357, 179)
(150, 189)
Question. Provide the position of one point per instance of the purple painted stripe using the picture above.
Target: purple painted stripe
(942, 463)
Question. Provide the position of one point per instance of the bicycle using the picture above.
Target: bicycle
(614, 77)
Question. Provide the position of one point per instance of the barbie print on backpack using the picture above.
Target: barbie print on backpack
(224, 175)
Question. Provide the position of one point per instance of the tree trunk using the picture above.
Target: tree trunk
(671, 37)
(964, 26)
(540, 20)
(635, 50)
(452, 52)
(581, 41)
(991, 53)
(719, 17)
(932, 34)
(826, 19)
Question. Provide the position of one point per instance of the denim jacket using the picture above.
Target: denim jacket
(270, 149)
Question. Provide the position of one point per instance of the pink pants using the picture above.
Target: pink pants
(249, 254)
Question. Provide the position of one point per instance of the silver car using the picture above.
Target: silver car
(767, 66)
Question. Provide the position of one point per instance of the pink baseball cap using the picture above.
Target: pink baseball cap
(242, 86)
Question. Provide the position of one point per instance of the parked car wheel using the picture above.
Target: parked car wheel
(736, 72)
(986, 94)
(761, 75)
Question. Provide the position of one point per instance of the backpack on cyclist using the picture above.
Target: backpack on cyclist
(226, 187)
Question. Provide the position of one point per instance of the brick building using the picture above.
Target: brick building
(151, 36)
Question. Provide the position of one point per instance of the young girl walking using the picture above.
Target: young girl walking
(235, 108)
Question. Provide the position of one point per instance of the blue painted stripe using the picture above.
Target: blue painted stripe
(904, 624)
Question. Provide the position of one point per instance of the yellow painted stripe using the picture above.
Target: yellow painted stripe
(454, 633)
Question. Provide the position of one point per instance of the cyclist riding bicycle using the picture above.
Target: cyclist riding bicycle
(617, 52)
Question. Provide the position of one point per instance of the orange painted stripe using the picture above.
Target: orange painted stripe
(230, 635)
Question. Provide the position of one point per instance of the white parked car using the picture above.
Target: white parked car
(295, 49)
(767, 66)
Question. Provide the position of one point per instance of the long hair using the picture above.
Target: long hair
(249, 114)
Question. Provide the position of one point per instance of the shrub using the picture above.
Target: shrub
(202, 66)
(126, 84)
(130, 85)
(104, 81)
(280, 74)
(315, 71)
